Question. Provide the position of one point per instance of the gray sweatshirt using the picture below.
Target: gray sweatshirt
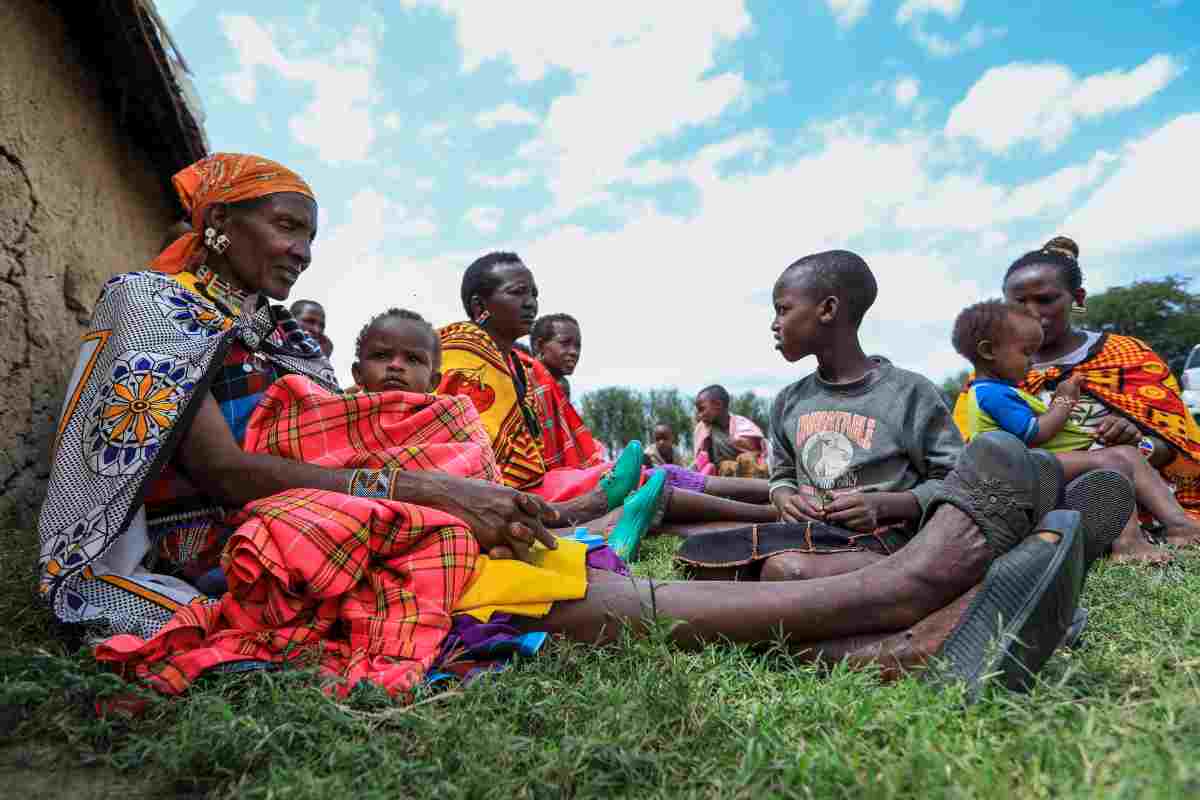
(889, 432)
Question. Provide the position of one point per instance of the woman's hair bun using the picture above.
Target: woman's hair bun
(1063, 246)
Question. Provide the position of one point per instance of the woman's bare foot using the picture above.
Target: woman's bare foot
(1133, 546)
(1184, 535)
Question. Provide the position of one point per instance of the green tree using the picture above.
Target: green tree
(615, 415)
(753, 407)
(1162, 313)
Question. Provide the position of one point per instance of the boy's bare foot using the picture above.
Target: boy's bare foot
(1133, 546)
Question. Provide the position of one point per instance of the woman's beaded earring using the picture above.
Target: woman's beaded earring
(483, 317)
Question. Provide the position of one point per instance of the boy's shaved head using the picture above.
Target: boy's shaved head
(839, 273)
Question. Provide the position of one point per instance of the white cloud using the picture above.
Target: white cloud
(913, 14)
(910, 9)
(1042, 102)
(509, 180)
(425, 184)
(625, 58)
(906, 90)
(392, 121)
(848, 12)
(967, 202)
(1150, 198)
(507, 114)
(338, 122)
(486, 219)
(941, 47)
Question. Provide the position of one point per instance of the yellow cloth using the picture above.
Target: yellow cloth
(529, 590)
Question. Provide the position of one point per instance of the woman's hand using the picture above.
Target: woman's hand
(1115, 429)
(502, 519)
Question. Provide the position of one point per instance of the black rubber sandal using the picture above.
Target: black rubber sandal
(1002, 486)
(1022, 613)
(1105, 500)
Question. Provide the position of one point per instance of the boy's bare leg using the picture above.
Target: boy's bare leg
(747, 490)
(942, 562)
(688, 506)
(807, 566)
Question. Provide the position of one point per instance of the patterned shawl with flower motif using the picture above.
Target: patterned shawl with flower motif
(146, 361)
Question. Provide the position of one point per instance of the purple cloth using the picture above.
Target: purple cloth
(604, 558)
(682, 478)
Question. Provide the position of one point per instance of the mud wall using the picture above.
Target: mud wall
(78, 203)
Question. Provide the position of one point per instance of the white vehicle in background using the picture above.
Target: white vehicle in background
(1190, 380)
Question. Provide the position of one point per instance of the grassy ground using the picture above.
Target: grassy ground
(1119, 717)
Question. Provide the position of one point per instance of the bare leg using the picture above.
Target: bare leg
(1132, 545)
(748, 490)
(806, 566)
(688, 506)
(578, 510)
(943, 561)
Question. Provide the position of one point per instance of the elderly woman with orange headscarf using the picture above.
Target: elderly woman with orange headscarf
(168, 475)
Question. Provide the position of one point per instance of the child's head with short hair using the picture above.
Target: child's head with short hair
(557, 342)
(712, 403)
(819, 297)
(999, 338)
(397, 351)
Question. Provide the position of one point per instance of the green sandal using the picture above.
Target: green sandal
(624, 476)
(639, 512)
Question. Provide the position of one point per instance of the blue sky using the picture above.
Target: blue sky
(658, 164)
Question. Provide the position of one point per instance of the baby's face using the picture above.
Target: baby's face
(1012, 353)
(396, 355)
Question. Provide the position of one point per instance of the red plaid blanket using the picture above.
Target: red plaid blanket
(363, 588)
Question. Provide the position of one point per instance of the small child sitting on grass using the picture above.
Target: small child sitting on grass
(1000, 340)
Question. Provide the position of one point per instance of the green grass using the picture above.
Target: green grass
(1118, 718)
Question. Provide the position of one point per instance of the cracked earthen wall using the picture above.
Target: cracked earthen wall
(78, 203)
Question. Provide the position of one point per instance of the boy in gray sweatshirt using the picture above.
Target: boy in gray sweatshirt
(859, 444)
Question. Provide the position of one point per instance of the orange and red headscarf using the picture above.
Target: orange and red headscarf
(222, 178)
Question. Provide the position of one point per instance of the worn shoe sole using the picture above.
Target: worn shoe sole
(1105, 500)
(1023, 611)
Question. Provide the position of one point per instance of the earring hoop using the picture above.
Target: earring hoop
(483, 317)
(221, 244)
